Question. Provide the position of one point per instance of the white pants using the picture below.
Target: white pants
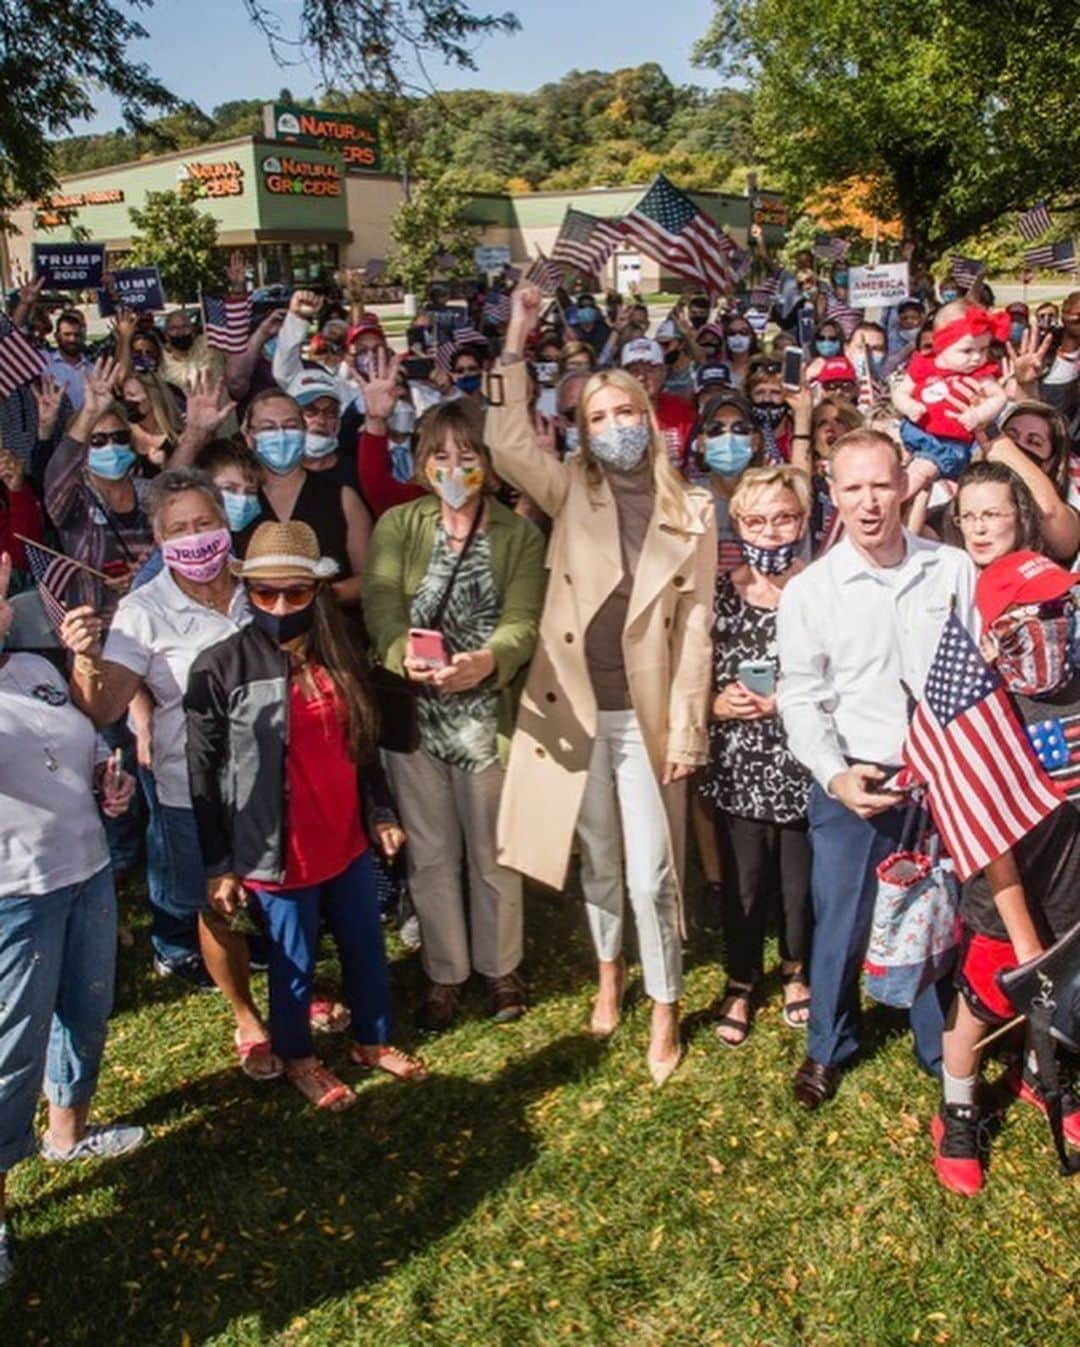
(446, 813)
(622, 804)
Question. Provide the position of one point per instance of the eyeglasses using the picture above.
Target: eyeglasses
(757, 523)
(101, 438)
(970, 519)
(266, 596)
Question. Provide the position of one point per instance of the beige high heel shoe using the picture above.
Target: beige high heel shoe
(600, 1027)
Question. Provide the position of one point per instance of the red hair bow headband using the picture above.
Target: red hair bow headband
(976, 322)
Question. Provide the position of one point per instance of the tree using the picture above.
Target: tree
(430, 235)
(957, 111)
(51, 53)
(179, 239)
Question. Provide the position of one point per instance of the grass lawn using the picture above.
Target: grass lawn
(536, 1190)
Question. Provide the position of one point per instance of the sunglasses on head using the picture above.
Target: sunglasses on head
(266, 596)
(100, 438)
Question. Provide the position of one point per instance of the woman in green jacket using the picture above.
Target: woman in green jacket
(453, 588)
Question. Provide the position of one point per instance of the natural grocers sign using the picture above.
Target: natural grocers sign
(286, 176)
(356, 139)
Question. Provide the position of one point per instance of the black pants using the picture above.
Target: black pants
(764, 864)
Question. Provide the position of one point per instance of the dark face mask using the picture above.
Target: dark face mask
(671, 357)
(183, 341)
(698, 320)
(769, 413)
(134, 412)
(144, 364)
(287, 627)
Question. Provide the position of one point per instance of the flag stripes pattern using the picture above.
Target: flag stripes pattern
(1052, 256)
(667, 225)
(228, 322)
(1057, 746)
(545, 274)
(20, 361)
(1034, 222)
(52, 575)
(985, 787)
(463, 336)
(965, 270)
(585, 241)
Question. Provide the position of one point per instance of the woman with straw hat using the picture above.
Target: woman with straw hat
(287, 791)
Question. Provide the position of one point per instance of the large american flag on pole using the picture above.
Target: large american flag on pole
(667, 225)
(52, 574)
(585, 241)
(228, 322)
(20, 361)
(984, 784)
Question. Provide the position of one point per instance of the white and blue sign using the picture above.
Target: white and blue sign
(135, 288)
(70, 266)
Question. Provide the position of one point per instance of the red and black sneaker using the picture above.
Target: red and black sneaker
(1025, 1087)
(957, 1133)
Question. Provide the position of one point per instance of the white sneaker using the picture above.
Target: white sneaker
(409, 933)
(101, 1141)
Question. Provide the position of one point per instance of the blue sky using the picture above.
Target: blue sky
(208, 51)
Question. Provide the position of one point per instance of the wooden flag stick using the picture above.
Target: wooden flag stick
(53, 552)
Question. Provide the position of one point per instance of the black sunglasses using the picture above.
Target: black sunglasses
(101, 438)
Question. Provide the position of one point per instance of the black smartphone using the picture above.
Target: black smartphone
(418, 368)
(793, 363)
(807, 325)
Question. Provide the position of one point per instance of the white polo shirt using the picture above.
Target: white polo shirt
(157, 633)
(851, 636)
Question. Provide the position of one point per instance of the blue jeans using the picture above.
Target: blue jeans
(949, 456)
(846, 853)
(350, 904)
(57, 966)
(175, 877)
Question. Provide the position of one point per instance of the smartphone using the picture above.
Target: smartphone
(428, 647)
(757, 676)
(418, 368)
(807, 325)
(793, 363)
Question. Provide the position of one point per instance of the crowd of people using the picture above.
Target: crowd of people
(353, 633)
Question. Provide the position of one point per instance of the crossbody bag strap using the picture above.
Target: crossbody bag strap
(437, 616)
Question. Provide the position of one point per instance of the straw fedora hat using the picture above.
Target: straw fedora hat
(288, 551)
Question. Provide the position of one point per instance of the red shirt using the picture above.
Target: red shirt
(933, 385)
(19, 513)
(378, 485)
(676, 418)
(323, 831)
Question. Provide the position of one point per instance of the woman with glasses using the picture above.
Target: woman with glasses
(289, 797)
(92, 498)
(759, 791)
(1034, 442)
(993, 513)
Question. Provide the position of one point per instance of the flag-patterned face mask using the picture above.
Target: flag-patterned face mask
(1033, 647)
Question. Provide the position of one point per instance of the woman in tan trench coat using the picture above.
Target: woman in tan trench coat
(613, 716)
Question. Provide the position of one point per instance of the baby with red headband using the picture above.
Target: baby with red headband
(947, 396)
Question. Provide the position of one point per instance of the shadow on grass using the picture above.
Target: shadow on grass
(252, 1204)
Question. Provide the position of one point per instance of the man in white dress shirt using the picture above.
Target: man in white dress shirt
(854, 629)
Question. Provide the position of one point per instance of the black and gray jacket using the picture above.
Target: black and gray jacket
(237, 706)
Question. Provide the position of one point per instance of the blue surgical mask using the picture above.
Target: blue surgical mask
(727, 454)
(739, 343)
(827, 347)
(588, 314)
(240, 509)
(111, 461)
(840, 278)
(1016, 332)
(877, 362)
(280, 449)
(469, 383)
(948, 295)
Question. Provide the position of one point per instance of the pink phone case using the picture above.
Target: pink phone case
(428, 647)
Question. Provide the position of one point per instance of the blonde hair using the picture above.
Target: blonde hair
(573, 348)
(161, 403)
(669, 488)
(756, 481)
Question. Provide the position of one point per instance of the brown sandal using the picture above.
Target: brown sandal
(321, 1087)
(384, 1057)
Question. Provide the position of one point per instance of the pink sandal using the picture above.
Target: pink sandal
(383, 1057)
(328, 1015)
(321, 1087)
(257, 1060)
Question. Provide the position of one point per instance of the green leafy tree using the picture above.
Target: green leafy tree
(958, 111)
(173, 235)
(430, 236)
(52, 52)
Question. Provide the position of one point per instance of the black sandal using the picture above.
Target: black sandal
(736, 991)
(786, 979)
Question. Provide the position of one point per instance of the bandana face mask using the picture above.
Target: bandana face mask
(1033, 652)
(770, 560)
(769, 413)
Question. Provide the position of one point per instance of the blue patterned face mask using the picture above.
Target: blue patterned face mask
(770, 560)
(827, 347)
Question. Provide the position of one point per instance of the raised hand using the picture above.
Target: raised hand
(527, 299)
(305, 304)
(11, 470)
(98, 383)
(48, 395)
(1028, 361)
(123, 325)
(206, 411)
(269, 327)
(381, 387)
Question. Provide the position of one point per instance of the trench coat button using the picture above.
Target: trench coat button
(569, 638)
(567, 579)
(540, 752)
(679, 581)
(549, 696)
(667, 621)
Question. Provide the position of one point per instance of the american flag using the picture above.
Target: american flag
(763, 294)
(965, 270)
(831, 249)
(463, 336)
(984, 784)
(1034, 222)
(586, 242)
(842, 313)
(1056, 742)
(667, 225)
(740, 261)
(497, 308)
(52, 575)
(545, 274)
(228, 322)
(20, 361)
(1052, 256)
